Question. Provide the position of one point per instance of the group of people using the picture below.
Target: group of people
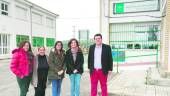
(37, 69)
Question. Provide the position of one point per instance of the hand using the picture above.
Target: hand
(60, 72)
(75, 71)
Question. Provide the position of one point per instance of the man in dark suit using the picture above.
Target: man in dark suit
(100, 64)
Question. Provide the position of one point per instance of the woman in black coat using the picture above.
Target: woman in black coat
(74, 62)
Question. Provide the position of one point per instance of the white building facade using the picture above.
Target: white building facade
(22, 20)
(129, 15)
(133, 27)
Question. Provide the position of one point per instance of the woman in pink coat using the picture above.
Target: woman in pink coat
(22, 66)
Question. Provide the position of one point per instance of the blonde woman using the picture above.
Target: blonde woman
(40, 72)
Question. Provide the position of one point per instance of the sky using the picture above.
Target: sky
(73, 15)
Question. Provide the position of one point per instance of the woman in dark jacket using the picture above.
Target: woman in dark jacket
(74, 62)
(40, 72)
(57, 67)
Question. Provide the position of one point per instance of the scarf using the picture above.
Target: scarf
(74, 53)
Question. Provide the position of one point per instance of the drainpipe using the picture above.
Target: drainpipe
(30, 39)
(55, 28)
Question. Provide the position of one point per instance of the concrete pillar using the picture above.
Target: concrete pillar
(165, 40)
(104, 20)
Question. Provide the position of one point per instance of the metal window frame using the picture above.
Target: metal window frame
(126, 42)
(4, 10)
(5, 43)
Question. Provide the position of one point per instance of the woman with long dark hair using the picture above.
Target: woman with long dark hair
(22, 66)
(74, 62)
(57, 67)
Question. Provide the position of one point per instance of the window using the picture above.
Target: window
(20, 38)
(150, 46)
(142, 35)
(4, 8)
(38, 41)
(21, 13)
(130, 46)
(50, 42)
(36, 18)
(4, 44)
(137, 46)
(49, 22)
(152, 33)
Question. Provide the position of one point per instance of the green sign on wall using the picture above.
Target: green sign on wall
(135, 7)
(118, 56)
(38, 41)
(21, 38)
(50, 42)
(119, 8)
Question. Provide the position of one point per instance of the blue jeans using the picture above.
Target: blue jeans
(75, 84)
(56, 87)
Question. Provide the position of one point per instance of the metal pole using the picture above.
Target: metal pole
(74, 31)
(157, 57)
(87, 40)
(117, 61)
(31, 24)
(79, 35)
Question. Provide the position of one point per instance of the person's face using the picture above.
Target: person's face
(58, 46)
(41, 51)
(26, 47)
(98, 40)
(73, 44)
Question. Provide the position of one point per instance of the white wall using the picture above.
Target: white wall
(13, 25)
(136, 17)
(104, 21)
(124, 18)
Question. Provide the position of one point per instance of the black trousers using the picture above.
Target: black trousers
(42, 80)
(24, 84)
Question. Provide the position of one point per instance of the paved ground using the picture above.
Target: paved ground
(9, 87)
(132, 83)
(129, 82)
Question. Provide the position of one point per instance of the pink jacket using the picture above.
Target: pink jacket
(19, 63)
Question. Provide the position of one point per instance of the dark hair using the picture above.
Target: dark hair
(22, 44)
(73, 39)
(98, 35)
(56, 45)
(41, 47)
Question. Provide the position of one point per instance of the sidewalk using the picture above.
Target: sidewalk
(129, 82)
(132, 83)
(9, 86)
